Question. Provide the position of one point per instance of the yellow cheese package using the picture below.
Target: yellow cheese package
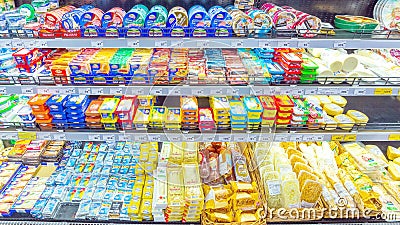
(359, 117)
(393, 152)
(344, 122)
(244, 199)
(323, 99)
(394, 170)
(274, 193)
(194, 195)
(244, 187)
(246, 217)
(176, 153)
(290, 193)
(333, 109)
(190, 152)
(217, 198)
(310, 193)
(298, 167)
(338, 100)
(329, 123)
(296, 159)
(288, 176)
(265, 169)
(292, 151)
(304, 176)
(221, 217)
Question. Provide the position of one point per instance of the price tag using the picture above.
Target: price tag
(327, 91)
(308, 138)
(9, 136)
(297, 92)
(84, 91)
(303, 44)
(42, 44)
(253, 138)
(337, 137)
(134, 44)
(141, 138)
(43, 90)
(240, 139)
(138, 91)
(344, 91)
(124, 137)
(339, 44)
(207, 138)
(109, 137)
(311, 91)
(161, 44)
(265, 138)
(177, 44)
(94, 137)
(3, 90)
(30, 44)
(116, 91)
(281, 138)
(319, 137)
(97, 91)
(237, 44)
(216, 92)
(27, 135)
(44, 136)
(6, 44)
(394, 137)
(264, 44)
(258, 91)
(296, 137)
(232, 92)
(176, 92)
(383, 91)
(360, 91)
(175, 138)
(198, 92)
(155, 138)
(18, 44)
(97, 44)
(225, 138)
(68, 91)
(189, 138)
(27, 90)
(60, 137)
(283, 44)
(203, 44)
(157, 91)
(350, 137)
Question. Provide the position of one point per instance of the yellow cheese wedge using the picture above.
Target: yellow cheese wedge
(338, 100)
(344, 122)
(397, 161)
(332, 109)
(393, 152)
(358, 116)
(394, 170)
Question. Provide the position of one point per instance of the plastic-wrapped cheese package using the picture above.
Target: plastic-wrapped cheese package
(291, 193)
(332, 109)
(310, 193)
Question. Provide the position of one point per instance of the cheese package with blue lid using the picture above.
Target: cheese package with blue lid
(76, 102)
(56, 103)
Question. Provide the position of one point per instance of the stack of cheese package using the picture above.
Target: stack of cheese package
(333, 115)
(289, 181)
(178, 193)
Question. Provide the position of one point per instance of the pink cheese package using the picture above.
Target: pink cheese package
(206, 120)
(91, 22)
(50, 22)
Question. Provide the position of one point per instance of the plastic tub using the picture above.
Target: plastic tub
(60, 123)
(145, 100)
(57, 102)
(109, 124)
(125, 110)
(45, 124)
(141, 120)
(5, 102)
(253, 107)
(237, 110)
(126, 124)
(76, 102)
(92, 119)
(29, 124)
(108, 107)
(58, 115)
(283, 103)
(25, 113)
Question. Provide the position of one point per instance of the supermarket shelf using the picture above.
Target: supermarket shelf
(164, 42)
(263, 136)
(205, 90)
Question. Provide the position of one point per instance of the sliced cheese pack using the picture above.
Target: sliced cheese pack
(393, 152)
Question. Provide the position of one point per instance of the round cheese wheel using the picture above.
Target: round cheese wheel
(350, 63)
(333, 109)
(344, 122)
(357, 116)
(338, 100)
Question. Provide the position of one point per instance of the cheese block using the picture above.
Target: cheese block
(357, 116)
(394, 171)
(338, 100)
(329, 123)
(350, 63)
(393, 152)
(344, 122)
(291, 193)
(332, 109)
(397, 161)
